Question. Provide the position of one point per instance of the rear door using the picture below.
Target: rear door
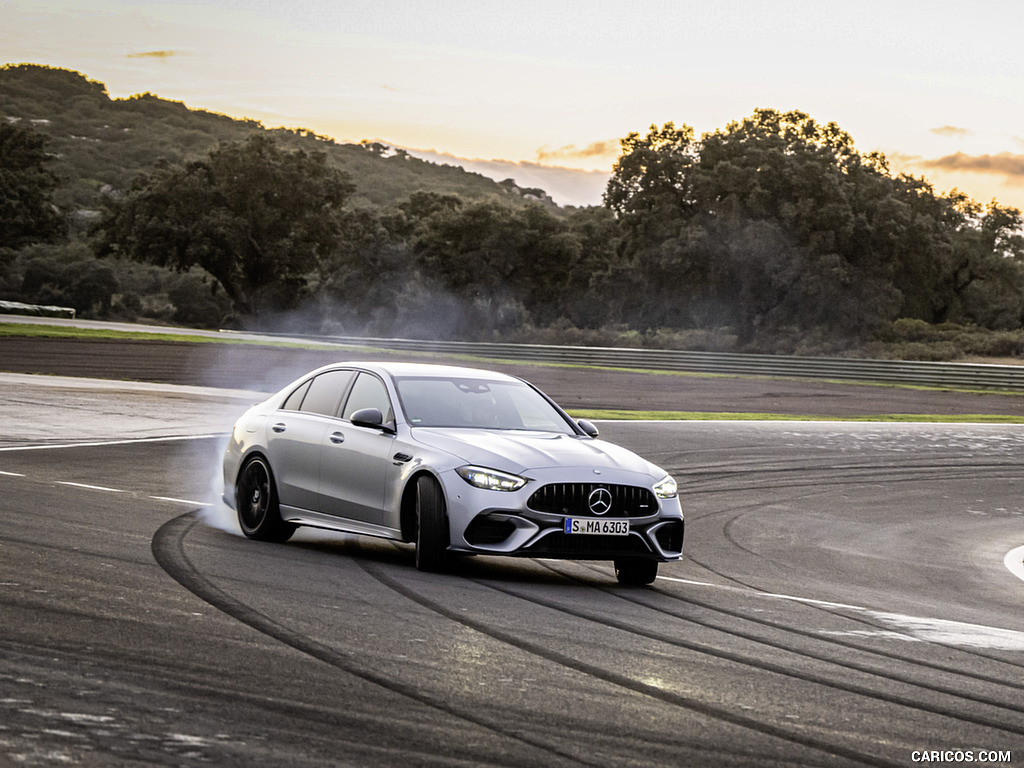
(296, 437)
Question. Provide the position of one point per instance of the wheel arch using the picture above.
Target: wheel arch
(407, 508)
(244, 461)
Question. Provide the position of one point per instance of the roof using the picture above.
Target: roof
(428, 370)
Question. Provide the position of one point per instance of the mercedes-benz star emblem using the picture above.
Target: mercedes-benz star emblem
(600, 501)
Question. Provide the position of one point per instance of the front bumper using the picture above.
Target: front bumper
(503, 523)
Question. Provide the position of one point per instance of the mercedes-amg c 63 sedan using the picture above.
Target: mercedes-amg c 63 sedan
(456, 460)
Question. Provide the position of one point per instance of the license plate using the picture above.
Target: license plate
(603, 527)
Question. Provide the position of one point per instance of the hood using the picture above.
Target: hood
(520, 451)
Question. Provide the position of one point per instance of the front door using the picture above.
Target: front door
(355, 461)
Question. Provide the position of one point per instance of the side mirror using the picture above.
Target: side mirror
(588, 427)
(368, 417)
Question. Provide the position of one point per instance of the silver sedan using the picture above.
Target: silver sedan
(456, 460)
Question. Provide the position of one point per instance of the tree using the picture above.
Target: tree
(259, 219)
(821, 267)
(68, 276)
(651, 182)
(987, 283)
(366, 272)
(511, 265)
(27, 212)
(651, 194)
(777, 223)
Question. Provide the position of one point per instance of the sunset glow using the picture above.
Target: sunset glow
(937, 89)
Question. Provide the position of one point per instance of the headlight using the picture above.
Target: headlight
(491, 479)
(667, 488)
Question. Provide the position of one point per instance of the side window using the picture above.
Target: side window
(368, 392)
(294, 400)
(325, 392)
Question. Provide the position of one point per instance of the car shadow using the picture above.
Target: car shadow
(495, 568)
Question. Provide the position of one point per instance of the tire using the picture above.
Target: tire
(432, 537)
(259, 513)
(636, 573)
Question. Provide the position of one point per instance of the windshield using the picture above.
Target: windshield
(478, 404)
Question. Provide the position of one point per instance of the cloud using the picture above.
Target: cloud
(952, 131)
(902, 158)
(607, 149)
(567, 186)
(1005, 164)
(153, 55)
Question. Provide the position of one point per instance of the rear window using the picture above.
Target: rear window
(325, 392)
(294, 401)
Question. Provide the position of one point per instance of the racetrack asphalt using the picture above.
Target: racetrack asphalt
(842, 601)
(268, 368)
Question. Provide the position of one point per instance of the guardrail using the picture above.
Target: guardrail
(1006, 378)
(35, 310)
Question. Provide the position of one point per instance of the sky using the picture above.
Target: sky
(543, 91)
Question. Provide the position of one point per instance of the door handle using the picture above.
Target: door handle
(279, 427)
(337, 438)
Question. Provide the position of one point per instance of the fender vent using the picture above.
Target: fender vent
(486, 530)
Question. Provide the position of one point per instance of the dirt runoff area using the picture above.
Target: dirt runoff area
(267, 369)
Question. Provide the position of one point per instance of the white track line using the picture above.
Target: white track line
(1014, 561)
(90, 487)
(944, 631)
(182, 501)
(101, 443)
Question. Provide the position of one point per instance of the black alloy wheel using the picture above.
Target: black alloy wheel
(259, 514)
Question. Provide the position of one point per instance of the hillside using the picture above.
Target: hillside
(101, 142)
(772, 235)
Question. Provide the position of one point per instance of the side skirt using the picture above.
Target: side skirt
(334, 523)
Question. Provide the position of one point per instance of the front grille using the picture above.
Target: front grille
(574, 499)
(588, 547)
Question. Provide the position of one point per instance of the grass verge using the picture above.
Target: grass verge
(29, 331)
(923, 418)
